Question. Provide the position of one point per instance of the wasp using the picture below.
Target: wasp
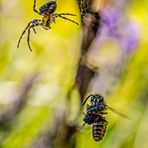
(99, 124)
(95, 115)
(47, 11)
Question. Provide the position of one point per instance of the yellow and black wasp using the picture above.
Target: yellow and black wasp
(95, 115)
(47, 11)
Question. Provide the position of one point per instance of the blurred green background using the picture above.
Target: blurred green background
(122, 80)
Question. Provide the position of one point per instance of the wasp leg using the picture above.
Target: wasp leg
(83, 125)
(59, 15)
(104, 112)
(84, 114)
(34, 9)
(103, 118)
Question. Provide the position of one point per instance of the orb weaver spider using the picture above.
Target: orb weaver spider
(47, 11)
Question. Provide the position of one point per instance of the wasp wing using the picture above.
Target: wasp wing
(119, 113)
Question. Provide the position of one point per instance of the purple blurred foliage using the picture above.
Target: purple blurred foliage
(124, 31)
(116, 25)
(130, 37)
(111, 19)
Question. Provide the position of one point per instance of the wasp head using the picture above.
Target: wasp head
(97, 99)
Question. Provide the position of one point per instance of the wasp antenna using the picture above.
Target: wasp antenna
(91, 95)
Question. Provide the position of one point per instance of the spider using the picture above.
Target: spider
(47, 11)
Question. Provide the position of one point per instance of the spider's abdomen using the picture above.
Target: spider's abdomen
(48, 7)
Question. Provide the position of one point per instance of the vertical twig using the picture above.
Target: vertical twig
(91, 22)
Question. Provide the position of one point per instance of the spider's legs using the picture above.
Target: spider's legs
(60, 15)
(46, 28)
(34, 9)
(30, 25)
(28, 39)
(68, 19)
(23, 33)
(68, 14)
(34, 23)
(34, 30)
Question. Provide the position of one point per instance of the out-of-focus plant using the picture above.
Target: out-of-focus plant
(40, 92)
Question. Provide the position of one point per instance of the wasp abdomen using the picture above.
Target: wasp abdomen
(98, 130)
